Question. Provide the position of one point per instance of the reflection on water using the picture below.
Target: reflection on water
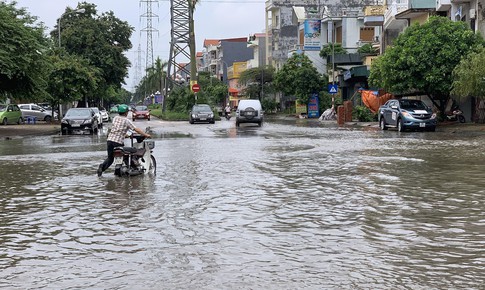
(277, 207)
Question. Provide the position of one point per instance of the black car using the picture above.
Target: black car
(201, 113)
(79, 119)
(407, 114)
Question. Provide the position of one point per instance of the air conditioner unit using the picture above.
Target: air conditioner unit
(472, 13)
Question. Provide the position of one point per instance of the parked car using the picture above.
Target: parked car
(249, 111)
(406, 114)
(79, 119)
(104, 114)
(201, 113)
(10, 114)
(97, 113)
(140, 112)
(34, 110)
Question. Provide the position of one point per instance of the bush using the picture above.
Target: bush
(363, 114)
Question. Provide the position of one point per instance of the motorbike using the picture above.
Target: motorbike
(228, 116)
(135, 159)
(455, 115)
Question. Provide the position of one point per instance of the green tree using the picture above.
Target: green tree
(70, 78)
(102, 40)
(423, 57)
(469, 77)
(298, 77)
(367, 49)
(327, 50)
(152, 81)
(23, 63)
(257, 81)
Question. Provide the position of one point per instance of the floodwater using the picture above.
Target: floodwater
(290, 205)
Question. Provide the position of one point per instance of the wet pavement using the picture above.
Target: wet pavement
(295, 204)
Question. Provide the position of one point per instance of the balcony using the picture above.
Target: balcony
(397, 14)
(443, 5)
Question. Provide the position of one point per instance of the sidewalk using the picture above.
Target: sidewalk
(40, 128)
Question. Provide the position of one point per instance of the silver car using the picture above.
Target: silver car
(33, 110)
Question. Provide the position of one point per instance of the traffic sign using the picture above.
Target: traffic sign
(332, 89)
(195, 88)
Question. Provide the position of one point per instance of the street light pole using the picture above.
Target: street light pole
(327, 13)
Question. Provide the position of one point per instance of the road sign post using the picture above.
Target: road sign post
(195, 88)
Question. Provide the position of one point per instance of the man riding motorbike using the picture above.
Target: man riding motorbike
(119, 129)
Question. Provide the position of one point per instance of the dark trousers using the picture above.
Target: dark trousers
(110, 148)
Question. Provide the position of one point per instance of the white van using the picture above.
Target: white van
(249, 111)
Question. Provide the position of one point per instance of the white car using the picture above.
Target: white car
(104, 115)
(33, 110)
(97, 113)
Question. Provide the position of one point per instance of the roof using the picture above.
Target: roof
(199, 54)
(300, 13)
(208, 42)
(239, 39)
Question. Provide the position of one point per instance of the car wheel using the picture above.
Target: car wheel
(133, 119)
(237, 124)
(400, 125)
(4, 121)
(20, 121)
(191, 121)
(260, 123)
(461, 118)
(432, 129)
(48, 119)
(382, 123)
(148, 119)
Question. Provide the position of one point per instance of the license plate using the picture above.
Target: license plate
(118, 161)
(422, 125)
(202, 119)
(249, 113)
(75, 125)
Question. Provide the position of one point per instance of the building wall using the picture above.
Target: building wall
(234, 51)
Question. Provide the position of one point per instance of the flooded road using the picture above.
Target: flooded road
(291, 205)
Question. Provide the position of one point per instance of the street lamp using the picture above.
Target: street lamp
(326, 12)
(82, 10)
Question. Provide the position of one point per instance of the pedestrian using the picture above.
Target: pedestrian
(117, 135)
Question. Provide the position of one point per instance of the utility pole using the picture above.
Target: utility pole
(179, 43)
(149, 15)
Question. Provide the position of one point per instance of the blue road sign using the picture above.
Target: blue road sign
(332, 89)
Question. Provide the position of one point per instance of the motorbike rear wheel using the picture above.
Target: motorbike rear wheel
(461, 118)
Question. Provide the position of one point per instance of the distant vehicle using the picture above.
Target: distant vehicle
(249, 111)
(406, 114)
(79, 119)
(201, 113)
(10, 114)
(140, 112)
(97, 113)
(34, 110)
(114, 109)
(104, 114)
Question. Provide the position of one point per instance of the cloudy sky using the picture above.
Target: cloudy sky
(214, 19)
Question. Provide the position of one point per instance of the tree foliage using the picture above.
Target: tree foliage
(298, 77)
(469, 76)
(423, 57)
(152, 81)
(257, 82)
(327, 50)
(23, 63)
(100, 39)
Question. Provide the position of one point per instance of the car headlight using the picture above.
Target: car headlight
(88, 121)
(406, 114)
(211, 115)
(194, 116)
(433, 116)
(63, 121)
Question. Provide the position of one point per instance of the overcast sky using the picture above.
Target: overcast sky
(214, 19)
